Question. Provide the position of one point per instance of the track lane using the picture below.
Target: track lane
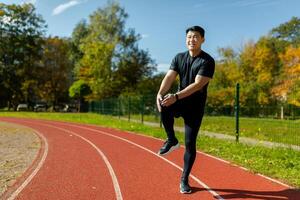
(230, 181)
(21, 182)
(220, 176)
(68, 173)
(140, 174)
(161, 185)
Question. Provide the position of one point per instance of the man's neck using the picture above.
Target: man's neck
(195, 52)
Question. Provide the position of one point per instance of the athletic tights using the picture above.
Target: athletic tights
(192, 120)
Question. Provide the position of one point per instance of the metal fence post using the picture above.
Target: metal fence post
(119, 106)
(142, 109)
(129, 109)
(237, 109)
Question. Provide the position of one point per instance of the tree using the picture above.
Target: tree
(21, 32)
(260, 66)
(266, 68)
(79, 33)
(149, 86)
(111, 61)
(287, 89)
(222, 87)
(78, 90)
(131, 70)
(55, 71)
(288, 32)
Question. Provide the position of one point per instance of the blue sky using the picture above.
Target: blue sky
(162, 23)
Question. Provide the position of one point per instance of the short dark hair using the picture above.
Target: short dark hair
(197, 29)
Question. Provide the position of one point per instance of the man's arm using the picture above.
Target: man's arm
(200, 82)
(165, 86)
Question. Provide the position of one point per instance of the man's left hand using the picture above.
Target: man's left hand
(168, 100)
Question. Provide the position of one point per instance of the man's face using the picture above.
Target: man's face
(193, 40)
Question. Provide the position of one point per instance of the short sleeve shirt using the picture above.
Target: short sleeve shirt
(189, 67)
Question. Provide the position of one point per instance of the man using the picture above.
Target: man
(195, 69)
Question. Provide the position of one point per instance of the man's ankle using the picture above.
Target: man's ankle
(173, 140)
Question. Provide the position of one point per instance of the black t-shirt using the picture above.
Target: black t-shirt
(189, 67)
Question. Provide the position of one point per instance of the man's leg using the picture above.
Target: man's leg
(192, 126)
(167, 118)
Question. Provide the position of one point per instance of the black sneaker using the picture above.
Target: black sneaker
(185, 187)
(168, 147)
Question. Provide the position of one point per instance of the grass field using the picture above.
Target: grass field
(279, 163)
(274, 130)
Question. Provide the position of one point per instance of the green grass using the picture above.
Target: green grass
(278, 163)
(274, 130)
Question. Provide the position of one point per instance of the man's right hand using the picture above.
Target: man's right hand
(159, 99)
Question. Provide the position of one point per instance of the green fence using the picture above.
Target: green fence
(276, 123)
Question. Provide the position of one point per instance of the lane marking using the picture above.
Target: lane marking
(32, 175)
(215, 194)
(271, 179)
(108, 165)
(205, 154)
(211, 156)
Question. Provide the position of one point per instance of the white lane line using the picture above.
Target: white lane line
(216, 195)
(211, 156)
(110, 169)
(32, 175)
(205, 154)
(271, 179)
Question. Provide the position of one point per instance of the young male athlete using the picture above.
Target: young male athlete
(195, 69)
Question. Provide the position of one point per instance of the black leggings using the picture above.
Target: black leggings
(192, 121)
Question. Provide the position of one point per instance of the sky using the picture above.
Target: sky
(162, 23)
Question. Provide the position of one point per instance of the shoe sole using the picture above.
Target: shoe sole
(185, 192)
(171, 149)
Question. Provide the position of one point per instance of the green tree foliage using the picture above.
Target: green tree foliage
(149, 86)
(79, 89)
(110, 61)
(79, 33)
(288, 32)
(21, 32)
(55, 71)
(267, 71)
(227, 75)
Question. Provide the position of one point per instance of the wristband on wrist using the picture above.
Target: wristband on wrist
(176, 96)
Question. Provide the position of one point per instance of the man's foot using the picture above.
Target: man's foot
(168, 147)
(185, 187)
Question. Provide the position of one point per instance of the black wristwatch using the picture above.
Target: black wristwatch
(176, 96)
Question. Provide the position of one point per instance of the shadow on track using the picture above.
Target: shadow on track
(288, 194)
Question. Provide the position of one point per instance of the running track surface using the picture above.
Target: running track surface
(79, 161)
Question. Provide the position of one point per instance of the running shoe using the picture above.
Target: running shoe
(168, 147)
(185, 187)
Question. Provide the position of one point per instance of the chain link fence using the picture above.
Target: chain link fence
(275, 123)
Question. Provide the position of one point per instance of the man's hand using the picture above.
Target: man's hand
(168, 100)
(159, 99)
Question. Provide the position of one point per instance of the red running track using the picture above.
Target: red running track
(79, 161)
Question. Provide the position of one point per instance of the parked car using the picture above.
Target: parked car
(22, 107)
(58, 108)
(70, 108)
(40, 107)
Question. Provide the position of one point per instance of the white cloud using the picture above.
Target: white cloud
(62, 7)
(254, 3)
(163, 67)
(144, 36)
(32, 1)
(29, 1)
